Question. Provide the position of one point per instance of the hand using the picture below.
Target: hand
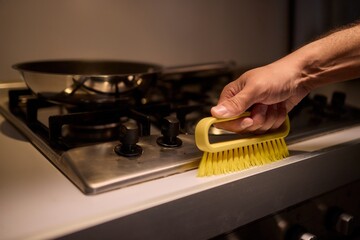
(272, 91)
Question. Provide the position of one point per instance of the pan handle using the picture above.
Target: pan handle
(198, 70)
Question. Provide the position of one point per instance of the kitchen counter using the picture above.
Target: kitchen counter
(38, 202)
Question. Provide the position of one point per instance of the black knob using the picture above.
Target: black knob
(129, 137)
(129, 133)
(339, 221)
(170, 129)
(297, 232)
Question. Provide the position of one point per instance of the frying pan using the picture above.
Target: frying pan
(87, 81)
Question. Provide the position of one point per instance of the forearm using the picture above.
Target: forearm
(333, 58)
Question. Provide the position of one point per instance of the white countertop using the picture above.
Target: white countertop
(38, 202)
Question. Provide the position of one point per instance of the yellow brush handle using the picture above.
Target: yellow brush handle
(202, 135)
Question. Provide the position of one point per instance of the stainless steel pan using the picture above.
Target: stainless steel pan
(88, 81)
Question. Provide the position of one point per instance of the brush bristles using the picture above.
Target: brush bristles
(241, 158)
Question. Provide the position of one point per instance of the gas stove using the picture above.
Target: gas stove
(102, 147)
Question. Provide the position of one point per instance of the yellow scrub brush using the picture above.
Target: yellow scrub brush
(239, 154)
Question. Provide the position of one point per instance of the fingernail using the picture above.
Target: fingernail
(220, 110)
(246, 123)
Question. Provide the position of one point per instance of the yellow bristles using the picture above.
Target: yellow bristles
(238, 154)
(244, 157)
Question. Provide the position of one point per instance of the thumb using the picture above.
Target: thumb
(233, 106)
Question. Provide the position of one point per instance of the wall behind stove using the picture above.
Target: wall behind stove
(172, 32)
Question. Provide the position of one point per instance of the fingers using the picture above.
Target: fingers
(267, 118)
(230, 104)
(270, 100)
(263, 118)
(238, 125)
(281, 115)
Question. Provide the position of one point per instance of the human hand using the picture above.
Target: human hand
(272, 91)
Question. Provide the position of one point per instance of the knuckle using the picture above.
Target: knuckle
(235, 105)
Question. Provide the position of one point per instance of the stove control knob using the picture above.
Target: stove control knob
(298, 232)
(307, 236)
(345, 224)
(338, 220)
(129, 136)
(170, 129)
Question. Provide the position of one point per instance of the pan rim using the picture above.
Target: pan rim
(26, 67)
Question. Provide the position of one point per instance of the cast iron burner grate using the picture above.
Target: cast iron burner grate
(64, 127)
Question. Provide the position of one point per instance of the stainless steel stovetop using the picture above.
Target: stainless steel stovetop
(96, 168)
